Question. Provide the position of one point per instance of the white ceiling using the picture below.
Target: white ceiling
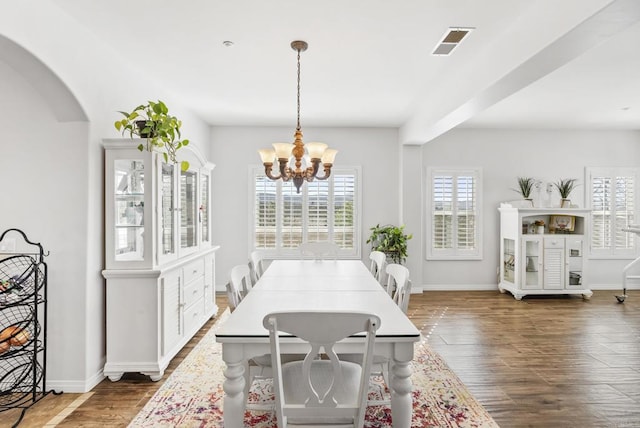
(532, 64)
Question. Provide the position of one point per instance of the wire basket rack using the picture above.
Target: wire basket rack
(21, 277)
(23, 328)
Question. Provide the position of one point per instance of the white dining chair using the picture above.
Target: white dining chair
(238, 287)
(399, 285)
(233, 296)
(240, 277)
(256, 262)
(377, 267)
(319, 250)
(321, 391)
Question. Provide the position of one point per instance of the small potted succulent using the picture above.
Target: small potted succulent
(565, 187)
(161, 130)
(391, 240)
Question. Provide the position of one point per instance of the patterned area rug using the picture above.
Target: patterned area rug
(192, 396)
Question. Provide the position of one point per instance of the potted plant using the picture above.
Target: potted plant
(391, 240)
(161, 130)
(565, 187)
(539, 224)
(525, 187)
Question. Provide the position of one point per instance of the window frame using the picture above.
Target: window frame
(432, 253)
(612, 253)
(286, 253)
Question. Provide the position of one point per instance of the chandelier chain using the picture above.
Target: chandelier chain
(298, 126)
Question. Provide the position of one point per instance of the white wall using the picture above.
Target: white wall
(43, 173)
(505, 155)
(52, 167)
(234, 151)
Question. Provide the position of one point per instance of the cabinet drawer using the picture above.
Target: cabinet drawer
(193, 291)
(193, 270)
(193, 317)
(553, 242)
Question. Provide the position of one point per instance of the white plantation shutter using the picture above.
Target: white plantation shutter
(290, 216)
(344, 197)
(317, 211)
(454, 200)
(323, 210)
(442, 212)
(265, 212)
(611, 195)
(466, 212)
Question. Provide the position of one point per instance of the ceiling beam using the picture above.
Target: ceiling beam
(610, 20)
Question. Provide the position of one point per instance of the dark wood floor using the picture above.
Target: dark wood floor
(540, 362)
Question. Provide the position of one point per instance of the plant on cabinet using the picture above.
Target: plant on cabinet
(565, 186)
(525, 187)
(161, 130)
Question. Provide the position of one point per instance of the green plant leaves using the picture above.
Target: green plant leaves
(391, 240)
(161, 130)
(565, 186)
(525, 186)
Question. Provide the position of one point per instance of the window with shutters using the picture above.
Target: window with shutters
(611, 199)
(324, 210)
(454, 206)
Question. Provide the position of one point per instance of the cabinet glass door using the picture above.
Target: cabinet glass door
(531, 263)
(188, 209)
(509, 257)
(204, 208)
(574, 258)
(168, 209)
(129, 210)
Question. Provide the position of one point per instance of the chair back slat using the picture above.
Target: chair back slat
(377, 267)
(256, 262)
(233, 296)
(240, 277)
(399, 285)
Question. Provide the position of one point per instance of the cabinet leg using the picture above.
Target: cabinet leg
(114, 377)
(155, 376)
(587, 296)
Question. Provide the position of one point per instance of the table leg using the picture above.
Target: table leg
(401, 400)
(233, 386)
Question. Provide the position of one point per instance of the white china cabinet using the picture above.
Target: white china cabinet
(542, 251)
(160, 262)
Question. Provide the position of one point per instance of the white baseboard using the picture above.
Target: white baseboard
(617, 286)
(459, 287)
(491, 287)
(76, 387)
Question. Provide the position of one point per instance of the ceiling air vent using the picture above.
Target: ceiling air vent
(451, 39)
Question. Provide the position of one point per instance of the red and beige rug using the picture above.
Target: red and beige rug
(192, 396)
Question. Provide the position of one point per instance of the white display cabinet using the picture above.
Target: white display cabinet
(551, 262)
(160, 261)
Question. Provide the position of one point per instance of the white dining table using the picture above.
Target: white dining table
(345, 285)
